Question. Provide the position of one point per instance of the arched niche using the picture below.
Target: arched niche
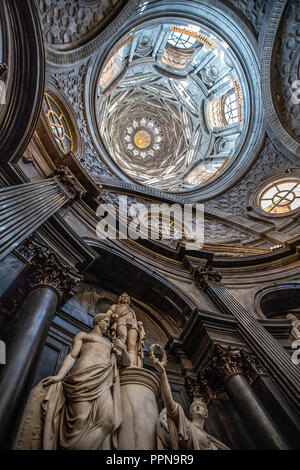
(92, 299)
(277, 302)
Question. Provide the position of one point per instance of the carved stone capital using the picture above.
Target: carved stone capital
(200, 389)
(224, 362)
(206, 274)
(69, 182)
(46, 269)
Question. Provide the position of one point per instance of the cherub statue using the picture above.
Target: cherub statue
(128, 329)
(174, 430)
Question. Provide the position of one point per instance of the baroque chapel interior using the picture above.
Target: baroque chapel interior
(144, 104)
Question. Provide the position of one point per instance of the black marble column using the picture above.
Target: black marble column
(266, 347)
(10, 268)
(258, 420)
(279, 408)
(23, 355)
(48, 281)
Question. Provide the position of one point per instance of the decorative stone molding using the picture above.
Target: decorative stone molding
(71, 83)
(284, 74)
(204, 274)
(46, 269)
(233, 202)
(252, 11)
(19, 22)
(65, 24)
(69, 181)
(176, 58)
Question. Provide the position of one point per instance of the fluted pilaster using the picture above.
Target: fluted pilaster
(265, 346)
(23, 208)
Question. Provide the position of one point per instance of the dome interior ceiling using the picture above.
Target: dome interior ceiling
(184, 98)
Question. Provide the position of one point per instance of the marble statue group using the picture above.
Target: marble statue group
(103, 398)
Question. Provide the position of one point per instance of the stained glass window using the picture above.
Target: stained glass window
(58, 123)
(281, 197)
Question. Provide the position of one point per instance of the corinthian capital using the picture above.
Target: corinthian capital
(46, 269)
(206, 274)
(226, 361)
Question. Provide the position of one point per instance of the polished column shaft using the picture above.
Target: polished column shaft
(266, 347)
(260, 423)
(23, 355)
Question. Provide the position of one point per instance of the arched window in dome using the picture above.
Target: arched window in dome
(58, 123)
(280, 197)
(231, 108)
(181, 40)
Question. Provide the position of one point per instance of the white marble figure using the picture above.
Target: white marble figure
(128, 329)
(81, 409)
(174, 430)
(295, 325)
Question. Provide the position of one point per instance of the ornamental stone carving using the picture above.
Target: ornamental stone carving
(67, 22)
(206, 274)
(222, 363)
(268, 161)
(46, 269)
(70, 183)
(252, 11)
(285, 71)
(71, 83)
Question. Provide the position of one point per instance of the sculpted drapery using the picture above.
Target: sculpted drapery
(81, 410)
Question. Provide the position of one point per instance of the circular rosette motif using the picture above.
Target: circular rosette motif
(143, 138)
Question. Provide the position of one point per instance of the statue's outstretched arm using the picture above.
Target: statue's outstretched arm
(166, 394)
(68, 362)
(165, 389)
